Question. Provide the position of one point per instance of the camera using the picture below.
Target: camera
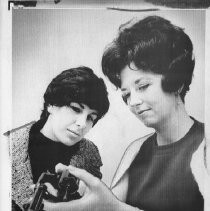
(66, 184)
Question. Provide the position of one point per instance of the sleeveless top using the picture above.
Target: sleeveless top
(160, 177)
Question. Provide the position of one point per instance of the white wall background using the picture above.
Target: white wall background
(207, 90)
(45, 42)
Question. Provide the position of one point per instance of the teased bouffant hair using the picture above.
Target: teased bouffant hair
(152, 44)
(78, 85)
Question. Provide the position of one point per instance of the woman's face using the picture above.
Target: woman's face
(69, 125)
(143, 93)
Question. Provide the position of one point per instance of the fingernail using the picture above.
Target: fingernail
(32, 186)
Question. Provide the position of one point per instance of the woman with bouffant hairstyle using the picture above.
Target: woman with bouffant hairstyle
(73, 103)
(153, 45)
(151, 61)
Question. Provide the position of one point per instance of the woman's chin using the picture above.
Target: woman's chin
(70, 141)
(148, 122)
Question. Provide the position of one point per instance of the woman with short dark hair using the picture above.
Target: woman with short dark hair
(73, 103)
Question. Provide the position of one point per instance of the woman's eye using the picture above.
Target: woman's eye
(143, 87)
(76, 109)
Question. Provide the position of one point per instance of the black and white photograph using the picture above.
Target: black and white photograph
(114, 4)
(108, 108)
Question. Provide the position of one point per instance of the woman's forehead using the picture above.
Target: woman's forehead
(130, 77)
(85, 107)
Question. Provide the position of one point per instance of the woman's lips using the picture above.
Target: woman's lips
(73, 132)
(142, 111)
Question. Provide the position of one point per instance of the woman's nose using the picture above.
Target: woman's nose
(81, 120)
(135, 98)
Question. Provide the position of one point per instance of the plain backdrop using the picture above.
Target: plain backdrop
(45, 42)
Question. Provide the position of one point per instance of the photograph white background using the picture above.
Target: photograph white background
(46, 42)
(39, 44)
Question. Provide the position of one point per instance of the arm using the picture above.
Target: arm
(97, 196)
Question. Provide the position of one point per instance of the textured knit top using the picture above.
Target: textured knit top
(45, 154)
(87, 157)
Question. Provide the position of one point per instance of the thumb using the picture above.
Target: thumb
(59, 168)
(85, 176)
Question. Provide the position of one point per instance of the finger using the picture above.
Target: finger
(51, 189)
(85, 176)
(32, 187)
(60, 167)
(29, 200)
(64, 206)
(82, 188)
(48, 206)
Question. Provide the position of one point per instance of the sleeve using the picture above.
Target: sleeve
(88, 158)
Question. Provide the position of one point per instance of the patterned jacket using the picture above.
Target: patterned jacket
(87, 157)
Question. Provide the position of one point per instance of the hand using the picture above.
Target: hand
(97, 196)
(59, 168)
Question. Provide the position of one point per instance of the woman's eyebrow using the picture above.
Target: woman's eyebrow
(93, 113)
(137, 81)
(143, 80)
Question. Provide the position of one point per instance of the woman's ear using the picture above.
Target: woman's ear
(50, 109)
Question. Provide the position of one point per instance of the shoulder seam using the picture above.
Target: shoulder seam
(130, 147)
(139, 139)
(18, 128)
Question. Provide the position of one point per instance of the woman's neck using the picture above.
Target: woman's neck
(174, 127)
(47, 131)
